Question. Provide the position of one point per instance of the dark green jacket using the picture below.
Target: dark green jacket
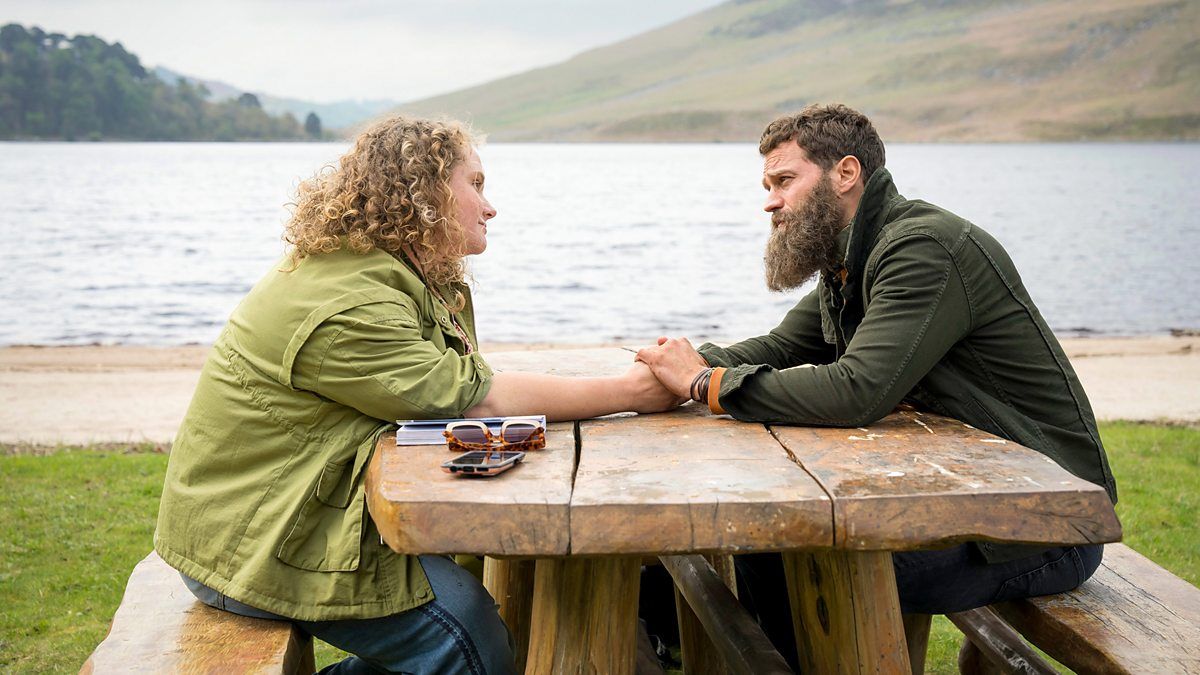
(934, 312)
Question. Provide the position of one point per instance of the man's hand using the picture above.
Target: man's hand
(647, 394)
(675, 363)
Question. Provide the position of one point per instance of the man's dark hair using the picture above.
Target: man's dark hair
(828, 133)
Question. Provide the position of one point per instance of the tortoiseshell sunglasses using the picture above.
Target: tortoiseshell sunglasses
(515, 434)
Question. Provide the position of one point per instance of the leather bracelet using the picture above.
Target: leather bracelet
(695, 391)
(702, 390)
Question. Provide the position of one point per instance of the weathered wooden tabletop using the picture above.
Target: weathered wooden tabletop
(835, 501)
(687, 481)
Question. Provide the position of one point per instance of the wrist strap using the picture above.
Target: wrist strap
(713, 393)
(699, 389)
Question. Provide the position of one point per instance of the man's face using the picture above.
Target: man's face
(788, 177)
(806, 217)
(471, 209)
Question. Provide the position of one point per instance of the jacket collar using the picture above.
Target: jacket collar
(868, 220)
(857, 240)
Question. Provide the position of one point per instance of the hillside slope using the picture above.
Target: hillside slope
(925, 70)
(334, 115)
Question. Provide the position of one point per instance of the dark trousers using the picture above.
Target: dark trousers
(930, 582)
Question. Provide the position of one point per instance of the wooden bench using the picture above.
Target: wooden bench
(1132, 616)
(161, 627)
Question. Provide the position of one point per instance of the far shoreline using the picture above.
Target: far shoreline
(82, 395)
(1076, 344)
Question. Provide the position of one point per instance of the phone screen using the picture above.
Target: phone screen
(474, 464)
(477, 458)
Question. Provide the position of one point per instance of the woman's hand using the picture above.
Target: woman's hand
(675, 362)
(647, 394)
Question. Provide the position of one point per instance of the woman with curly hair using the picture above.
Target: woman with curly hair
(366, 322)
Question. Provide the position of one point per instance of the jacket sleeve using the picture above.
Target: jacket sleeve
(374, 359)
(796, 340)
(918, 309)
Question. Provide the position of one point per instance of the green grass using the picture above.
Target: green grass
(73, 522)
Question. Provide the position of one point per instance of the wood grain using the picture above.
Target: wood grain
(511, 584)
(685, 482)
(916, 639)
(740, 645)
(419, 508)
(689, 482)
(161, 627)
(971, 661)
(846, 612)
(1131, 616)
(584, 615)
(699, 653)
(917, 480)
(998, 643)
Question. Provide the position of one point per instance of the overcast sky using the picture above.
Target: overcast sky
(327, 50)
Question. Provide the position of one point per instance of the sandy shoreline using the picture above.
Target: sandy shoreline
(51, 395)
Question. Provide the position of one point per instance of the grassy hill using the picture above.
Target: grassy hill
(925, 70)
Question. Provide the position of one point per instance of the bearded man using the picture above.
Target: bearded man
(914, 304)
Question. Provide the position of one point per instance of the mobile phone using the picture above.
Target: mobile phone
(473, 463)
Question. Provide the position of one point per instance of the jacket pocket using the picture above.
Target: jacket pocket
(326, 535)
(1060, 575)
(335, 484)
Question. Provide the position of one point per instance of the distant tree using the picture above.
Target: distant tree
(312, 125)
(54, 86)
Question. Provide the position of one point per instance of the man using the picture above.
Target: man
(914, 304)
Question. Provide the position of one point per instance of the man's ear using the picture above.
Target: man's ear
(846, 174)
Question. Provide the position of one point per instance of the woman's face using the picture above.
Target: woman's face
(471, 209)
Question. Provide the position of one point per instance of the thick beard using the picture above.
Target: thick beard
(804, 241)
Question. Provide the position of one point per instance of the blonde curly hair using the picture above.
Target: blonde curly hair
(390, 191)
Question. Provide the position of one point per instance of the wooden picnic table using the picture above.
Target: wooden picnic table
(836, 502)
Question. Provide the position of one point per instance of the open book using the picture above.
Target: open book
(429, 432)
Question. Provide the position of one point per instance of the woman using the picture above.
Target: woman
(368, 322)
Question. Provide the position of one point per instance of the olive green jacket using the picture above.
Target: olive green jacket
(932, 310)
(263, 499)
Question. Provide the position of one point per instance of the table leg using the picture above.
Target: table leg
(846, 612)
(916, 635)
(511, 583)
(584, 615)
(699, 654)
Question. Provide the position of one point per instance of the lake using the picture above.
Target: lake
(154, 244)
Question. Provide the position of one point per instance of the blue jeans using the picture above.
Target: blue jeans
(929, 582)
(459, 631)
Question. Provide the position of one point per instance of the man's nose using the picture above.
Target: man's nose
(489, 211)
(774, 203)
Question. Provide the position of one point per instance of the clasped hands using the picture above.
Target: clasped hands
(664, 374)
